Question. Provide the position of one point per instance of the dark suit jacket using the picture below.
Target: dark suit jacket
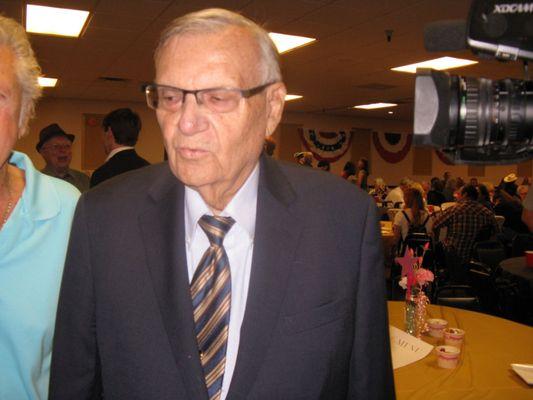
(315, 325)
(123, 161)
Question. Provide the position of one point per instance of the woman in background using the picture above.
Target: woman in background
(35, 218)
(362, 173)
(413, 214)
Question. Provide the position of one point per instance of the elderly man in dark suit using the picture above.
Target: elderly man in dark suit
(121, 132)
(222, 274)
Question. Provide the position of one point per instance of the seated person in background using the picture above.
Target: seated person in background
(380, 189)
(121, 131)
(55, 146)
(484, 196)
(465, 222)
(304, 158)
(35, 225)
(522, 191)
(395, 196)
(490, 189)
(435, 197)
(511, 208)
(414, 218)
(449, 190)
(527, 212)
(509, 185)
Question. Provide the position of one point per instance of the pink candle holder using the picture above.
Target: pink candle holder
(454, 337)
(447, 356)
(436, 327)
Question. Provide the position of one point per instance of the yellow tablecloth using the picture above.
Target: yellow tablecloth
(484, 372)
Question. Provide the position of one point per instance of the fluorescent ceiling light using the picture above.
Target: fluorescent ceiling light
(289, 97)
(438, 63)
(285, 43)
(374, 106)
(55, 21)
(47, 82)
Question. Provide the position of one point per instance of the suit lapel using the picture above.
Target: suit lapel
(276, 236)
(162, 227)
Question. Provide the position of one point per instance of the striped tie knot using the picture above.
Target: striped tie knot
(216, 227)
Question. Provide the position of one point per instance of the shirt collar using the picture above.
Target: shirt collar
(39, 198)
(118, 150)
(242, 207)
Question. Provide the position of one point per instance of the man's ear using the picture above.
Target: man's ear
(275, 103)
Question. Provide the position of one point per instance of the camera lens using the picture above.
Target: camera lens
(496, 113)
(474, 119)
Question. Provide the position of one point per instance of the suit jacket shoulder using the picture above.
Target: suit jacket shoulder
(121, 162)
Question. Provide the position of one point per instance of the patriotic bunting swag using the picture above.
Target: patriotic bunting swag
(392, 147)
(326, 145)
(443, 157)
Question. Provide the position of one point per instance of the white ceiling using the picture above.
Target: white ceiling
(348, 65)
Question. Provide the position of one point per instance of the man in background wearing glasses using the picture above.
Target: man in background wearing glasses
(222, 274)
(55, 146)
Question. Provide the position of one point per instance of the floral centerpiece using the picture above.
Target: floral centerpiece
(414, 278)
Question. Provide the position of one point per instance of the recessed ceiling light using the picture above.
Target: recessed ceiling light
(289, 97)
(390, 112)
(47, 82)
(374, 106)
(437, 63)
(285, 43)
(55, 21)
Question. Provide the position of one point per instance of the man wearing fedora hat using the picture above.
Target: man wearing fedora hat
(55, 145)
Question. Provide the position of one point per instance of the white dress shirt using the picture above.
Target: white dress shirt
(238, 244)
(117, 150)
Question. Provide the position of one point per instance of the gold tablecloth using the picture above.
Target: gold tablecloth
(484, 371)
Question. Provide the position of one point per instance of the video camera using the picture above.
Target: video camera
(478, 120)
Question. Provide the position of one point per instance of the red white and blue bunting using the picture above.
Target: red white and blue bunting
(326, 145)
(443, 157)
(392, 147)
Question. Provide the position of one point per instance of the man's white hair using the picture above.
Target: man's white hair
(215, 20)
(27, 70)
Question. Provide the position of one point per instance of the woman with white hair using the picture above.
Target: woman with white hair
(35, 218)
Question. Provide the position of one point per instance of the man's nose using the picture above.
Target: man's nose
(192, 118)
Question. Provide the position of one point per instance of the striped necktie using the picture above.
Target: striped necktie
(211, 300)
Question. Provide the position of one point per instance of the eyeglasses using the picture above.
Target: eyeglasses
(57, 147)
(218, 100)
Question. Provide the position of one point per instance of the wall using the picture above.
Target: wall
(69, 114)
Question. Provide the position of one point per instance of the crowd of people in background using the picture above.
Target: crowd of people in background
(467, 209)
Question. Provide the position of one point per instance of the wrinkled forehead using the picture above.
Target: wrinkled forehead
(233, 51)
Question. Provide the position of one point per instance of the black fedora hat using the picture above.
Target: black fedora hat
(51, 131)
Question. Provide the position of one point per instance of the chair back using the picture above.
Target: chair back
(458, 296)
(489, 252)
(482, 280)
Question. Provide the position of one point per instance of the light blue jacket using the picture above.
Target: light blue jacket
(33, 245)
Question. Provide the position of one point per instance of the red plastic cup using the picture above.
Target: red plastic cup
(529, 258)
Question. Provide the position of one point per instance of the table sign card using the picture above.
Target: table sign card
(406, 349)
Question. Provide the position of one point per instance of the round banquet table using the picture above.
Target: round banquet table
(484, 371)
(517, 267)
